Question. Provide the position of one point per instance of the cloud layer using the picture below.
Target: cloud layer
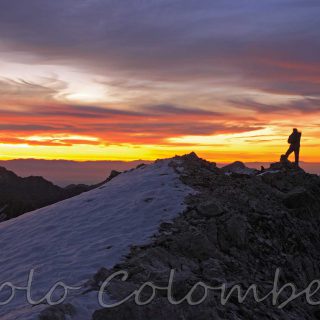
(163, 69)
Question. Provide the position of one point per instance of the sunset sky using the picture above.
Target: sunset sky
(147, 79)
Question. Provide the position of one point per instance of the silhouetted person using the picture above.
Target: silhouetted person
(294, 140)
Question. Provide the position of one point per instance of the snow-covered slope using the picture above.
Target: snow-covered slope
(69, 241)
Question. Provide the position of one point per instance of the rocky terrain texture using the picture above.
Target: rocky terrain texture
(238, 167)
(19, 195)
(238, 229)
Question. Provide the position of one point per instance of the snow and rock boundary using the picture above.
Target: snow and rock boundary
(70, 240)
(237, 229)
(205, 225)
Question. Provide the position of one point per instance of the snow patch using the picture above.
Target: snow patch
(70, 240)
(268, 172)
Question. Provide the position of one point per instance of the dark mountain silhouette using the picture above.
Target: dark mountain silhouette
(66, 172)
(19, 195)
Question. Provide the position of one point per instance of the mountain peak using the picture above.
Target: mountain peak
(236, 229)
(4, 173)
(23, 194)
(182, 213)
(239, 168)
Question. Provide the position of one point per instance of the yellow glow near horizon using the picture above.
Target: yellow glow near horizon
(127, 152)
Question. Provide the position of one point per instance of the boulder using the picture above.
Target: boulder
(58, 312)
(210, 208)
(297, 198)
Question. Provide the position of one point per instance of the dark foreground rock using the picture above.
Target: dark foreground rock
(238, 167)
(58, 312)
(238, 229)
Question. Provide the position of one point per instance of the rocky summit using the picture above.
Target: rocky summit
(240, 229)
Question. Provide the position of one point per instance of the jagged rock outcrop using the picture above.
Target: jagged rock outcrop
(113, 174)
(238, 229)
(57, 312)
(238, 167)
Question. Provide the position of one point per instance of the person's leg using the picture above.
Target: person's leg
(290, 150)
(296, 155)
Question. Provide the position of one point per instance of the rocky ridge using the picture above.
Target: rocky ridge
(238, 167)
(238, 229)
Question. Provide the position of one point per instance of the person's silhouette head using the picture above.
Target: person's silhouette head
(295, 130)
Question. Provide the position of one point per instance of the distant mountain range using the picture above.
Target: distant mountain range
(64, 172)
(19, 195)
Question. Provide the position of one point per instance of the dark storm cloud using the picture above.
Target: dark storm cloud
(270, 45)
